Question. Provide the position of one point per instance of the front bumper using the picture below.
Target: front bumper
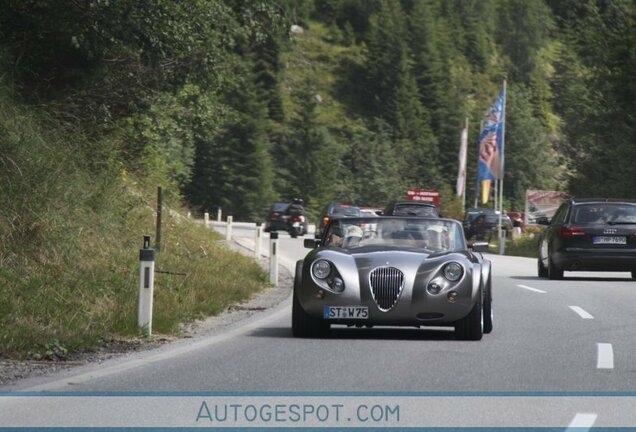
(413, 307)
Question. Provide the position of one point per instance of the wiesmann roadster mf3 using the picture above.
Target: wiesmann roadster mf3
(393, 271)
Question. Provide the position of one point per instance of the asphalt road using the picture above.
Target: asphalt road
(573, 335)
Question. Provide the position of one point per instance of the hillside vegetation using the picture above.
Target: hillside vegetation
(222, 105)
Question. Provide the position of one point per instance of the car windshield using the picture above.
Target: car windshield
(436, 235)
(604, 213)
(345, 211)
(414, 210)
(280, 207)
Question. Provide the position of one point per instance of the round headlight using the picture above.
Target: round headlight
(321, 269)
(453, 271)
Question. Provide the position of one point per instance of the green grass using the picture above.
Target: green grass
(525, 246)
(71, 226)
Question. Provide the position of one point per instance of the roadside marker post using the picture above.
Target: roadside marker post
(218, 214)
(228, 229)
(146, 286)
(257, 241)
(206, 219)
(502, 241)
(273, 258)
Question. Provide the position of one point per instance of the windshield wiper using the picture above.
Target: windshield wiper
(621, 223)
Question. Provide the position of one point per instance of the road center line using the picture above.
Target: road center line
(605, 359)
(582, 313)
(583, 421)
(532, 289)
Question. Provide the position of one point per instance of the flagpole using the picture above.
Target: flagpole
(503, 156)
(465, 167)
(477, 185)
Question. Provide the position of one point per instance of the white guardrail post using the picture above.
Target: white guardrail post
(273, 258)
(206, 219)
(146, 287)
(257, 241)
(228, 229)
(218, 214)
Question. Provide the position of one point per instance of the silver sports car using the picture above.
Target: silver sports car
(393, 271)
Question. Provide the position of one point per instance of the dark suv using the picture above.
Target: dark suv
(335, 211)
(589, 235)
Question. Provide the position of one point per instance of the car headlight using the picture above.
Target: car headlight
(453, 271)
(321, 269)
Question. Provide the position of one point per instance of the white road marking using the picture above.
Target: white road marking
(605, 359)
(532, 289)
(583, 421)
(582, 313)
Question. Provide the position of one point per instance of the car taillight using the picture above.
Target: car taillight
(571, 232)
(274, 215)
(325, 220)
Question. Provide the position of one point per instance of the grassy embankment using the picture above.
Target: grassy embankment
(71, 224)
(525, 246)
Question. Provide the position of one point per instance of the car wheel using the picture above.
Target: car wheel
(543, 272)
(303, 324)
(471, 327)
(487, 308)
(554, 272)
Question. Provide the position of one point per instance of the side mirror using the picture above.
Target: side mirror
(542, 220)
(311, 243)
(479, 246)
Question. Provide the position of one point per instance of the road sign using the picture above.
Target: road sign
(426, 195)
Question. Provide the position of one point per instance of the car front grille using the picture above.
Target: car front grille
(386, 286)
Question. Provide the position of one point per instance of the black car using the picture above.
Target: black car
(276, 218)
(334, 211)
(481, 223)
(411, 208)
(589, 235)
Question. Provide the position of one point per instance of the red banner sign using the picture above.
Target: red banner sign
(426, 195)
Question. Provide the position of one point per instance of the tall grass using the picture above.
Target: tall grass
(71, 223)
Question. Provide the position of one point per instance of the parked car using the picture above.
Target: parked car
(589, 235)
(334, 211)
(410, 272)
(411, 208)
(482, 223)
(276, 219)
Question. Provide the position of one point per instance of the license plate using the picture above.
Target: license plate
(609, 240)
(296, 224)
(345, 312)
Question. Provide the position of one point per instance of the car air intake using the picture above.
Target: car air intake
(386, 286)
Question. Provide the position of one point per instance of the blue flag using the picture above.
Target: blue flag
(490, 157)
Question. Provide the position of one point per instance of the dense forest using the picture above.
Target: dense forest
(236, 104)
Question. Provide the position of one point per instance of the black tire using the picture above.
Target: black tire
(303, 324)
(471, 327)
(554, 272)
(487, 308)
(293, 233)
(541, 270)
